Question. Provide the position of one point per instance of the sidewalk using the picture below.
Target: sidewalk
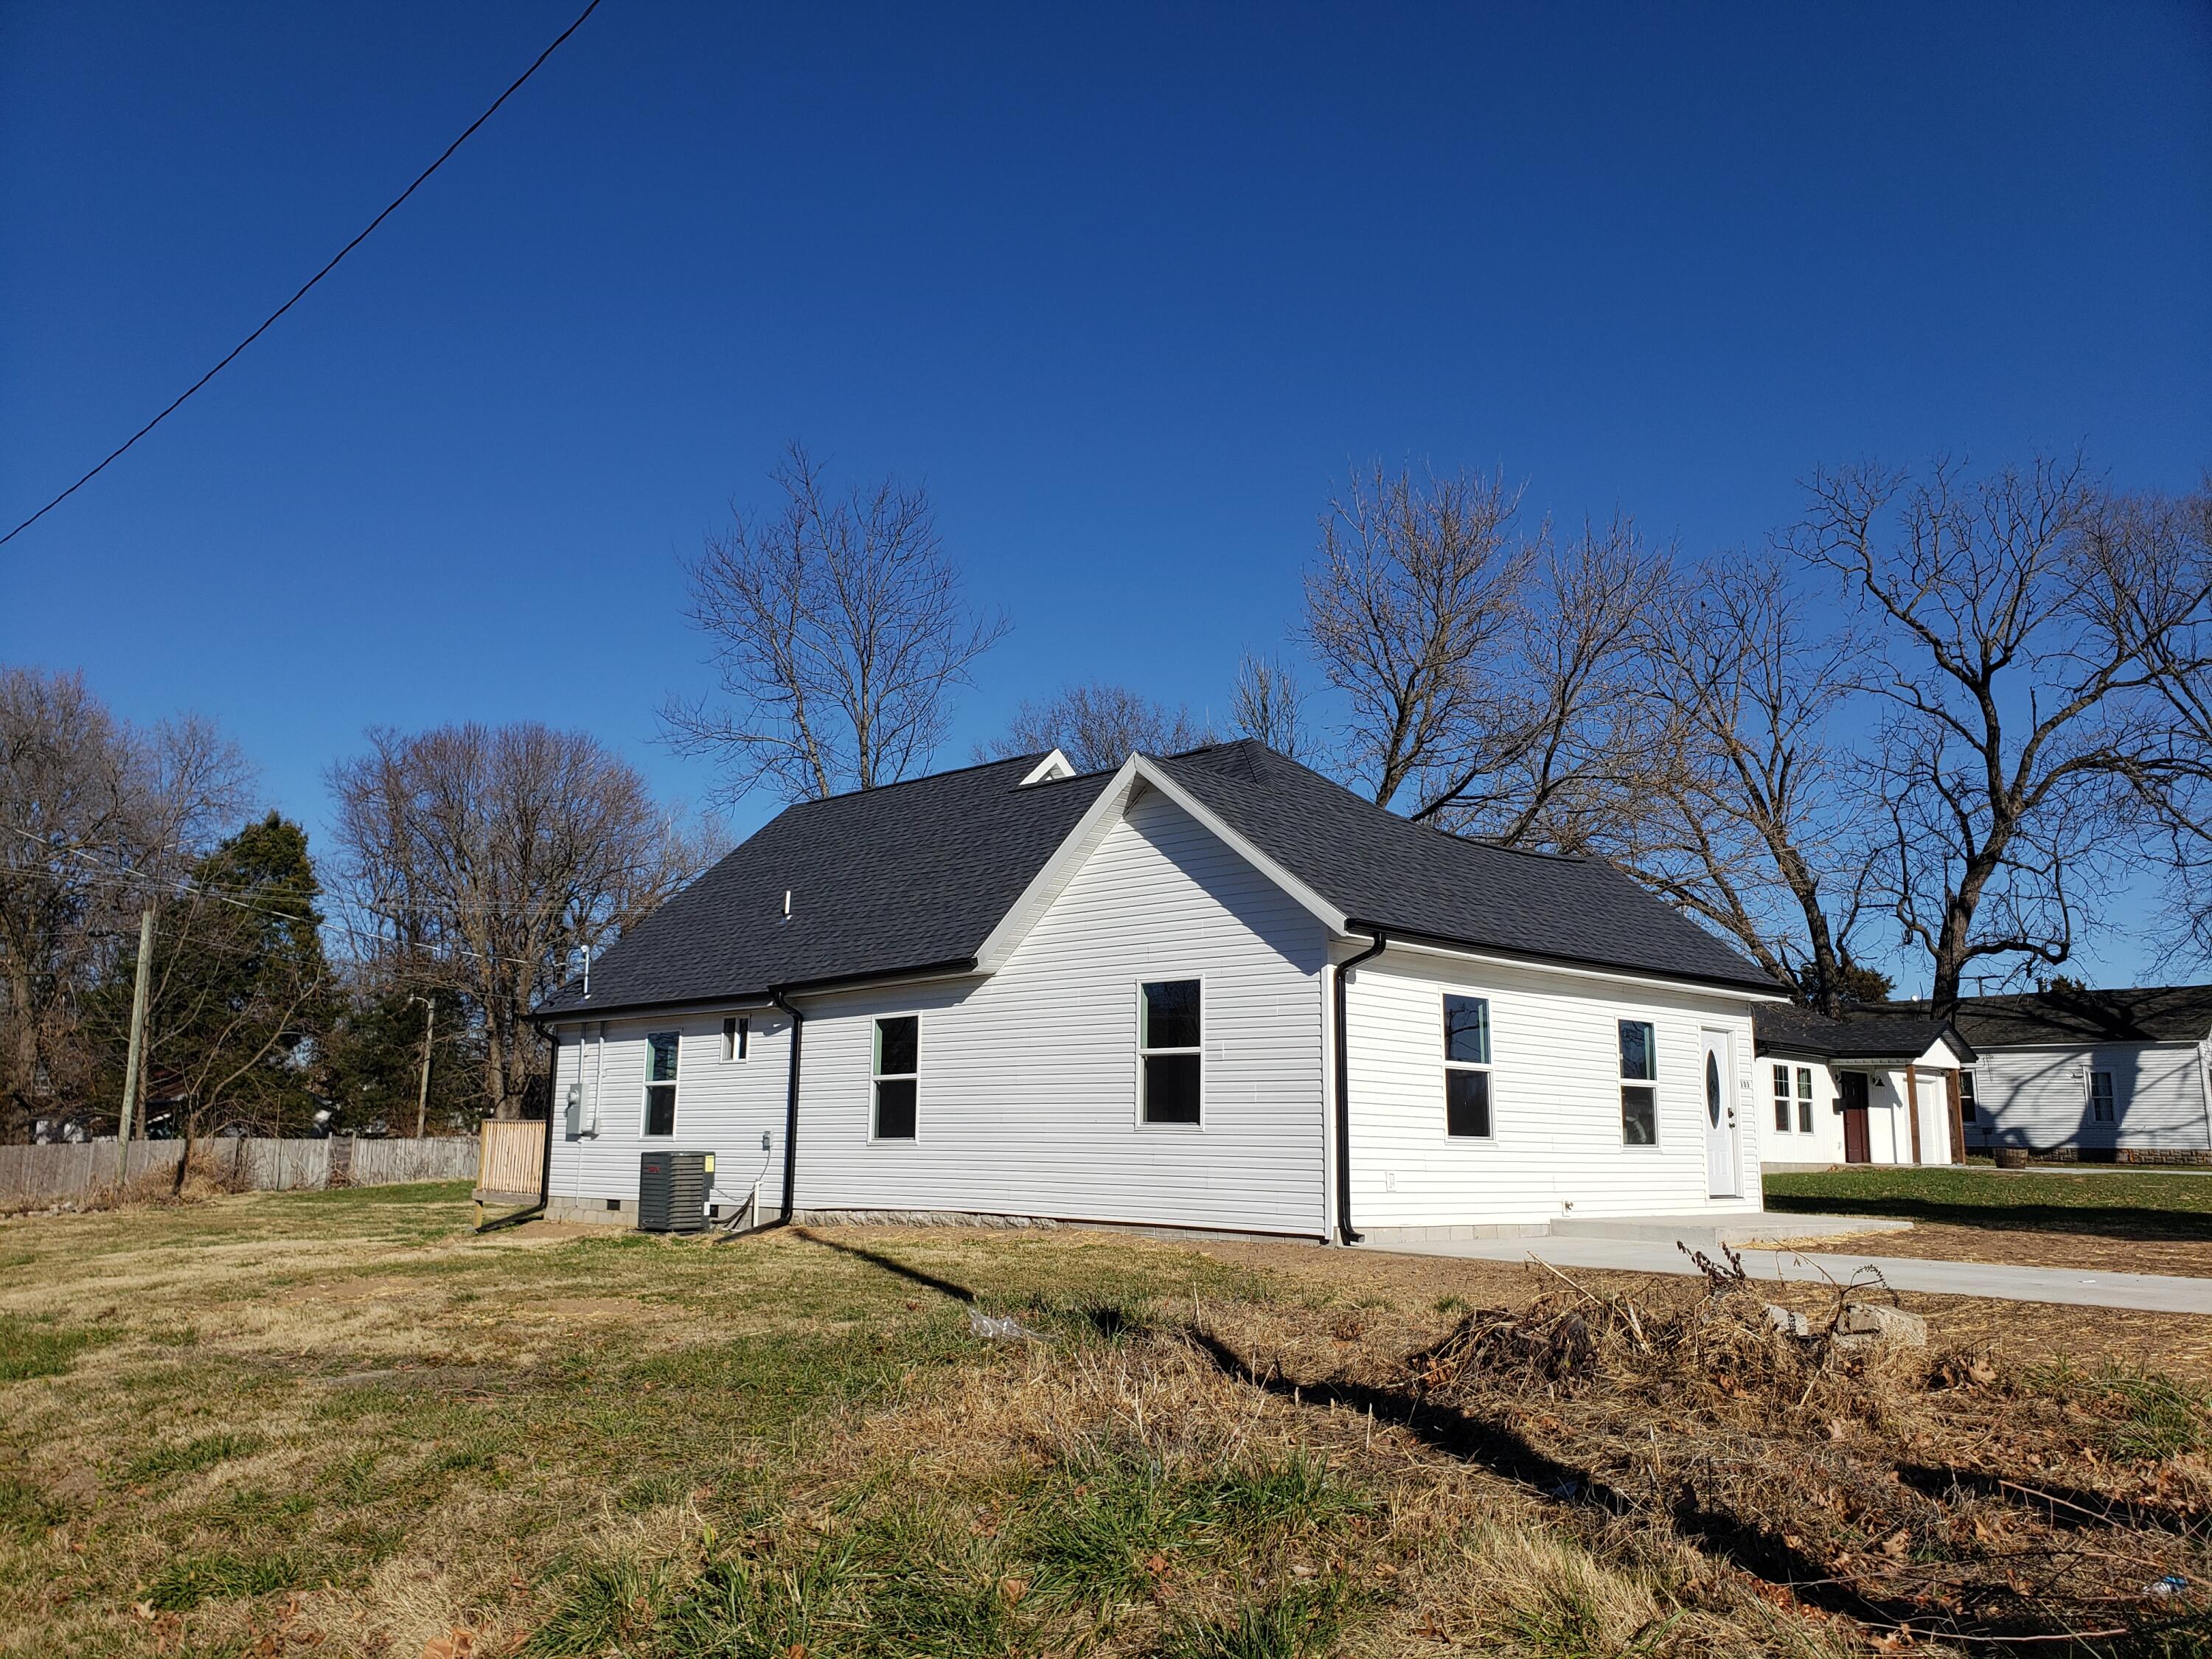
(2147, 1292)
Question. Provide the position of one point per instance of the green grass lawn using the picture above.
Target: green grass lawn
(2140, 1204)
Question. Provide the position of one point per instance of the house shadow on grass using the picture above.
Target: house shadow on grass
(2118, 1221)
(892, 1264)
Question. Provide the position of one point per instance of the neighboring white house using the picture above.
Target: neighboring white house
(1879, 1086)
(2122, 1076)
(1210, 991)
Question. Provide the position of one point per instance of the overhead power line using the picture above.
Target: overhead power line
(444, 156)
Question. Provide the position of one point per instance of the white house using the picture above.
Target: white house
(2121, 1076)
(1208, 991)
(1886, 1084)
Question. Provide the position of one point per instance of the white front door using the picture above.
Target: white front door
(1723, 1165)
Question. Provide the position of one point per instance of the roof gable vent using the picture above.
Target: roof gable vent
(1053, 768)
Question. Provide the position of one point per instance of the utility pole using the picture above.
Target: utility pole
(139, 995)
(422, 1095)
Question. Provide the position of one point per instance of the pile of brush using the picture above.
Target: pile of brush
(1839, 1460)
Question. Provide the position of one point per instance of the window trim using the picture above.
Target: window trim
(1625, 1082)
(1172, 976)
(674, 1085)
(875, 1076)
(1487, 1066)
(1805, 1097)
(736, 1038)
(1785, 1102)
(2112, 1102)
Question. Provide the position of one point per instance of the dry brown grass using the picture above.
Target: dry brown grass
(342, 1425)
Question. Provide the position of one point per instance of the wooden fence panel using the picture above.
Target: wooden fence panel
(514, 1159)
(32, 1176)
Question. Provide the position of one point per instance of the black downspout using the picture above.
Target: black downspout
(1344, 1234)
(790, 1107)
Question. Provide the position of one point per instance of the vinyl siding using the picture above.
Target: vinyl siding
(1555, 1099)
(1889, 1132)
(2039, 1098)
(722, 1106)
(1028, 1095)
(1027, 1082)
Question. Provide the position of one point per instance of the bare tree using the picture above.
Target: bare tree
(1268, 704)
(484, 858)
(1561, 748)
(2012, 716)
(1417, 589)
(96, 816)
(2156, 555)
(839, 633)
(1098, 727)
(1755, 828)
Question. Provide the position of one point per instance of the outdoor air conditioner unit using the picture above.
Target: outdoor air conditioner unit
(671, 1191)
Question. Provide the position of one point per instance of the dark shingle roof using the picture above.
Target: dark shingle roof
(1890, 1031)
(1411, 880)
(913, 875)
(917, 874)
(2148, 1013)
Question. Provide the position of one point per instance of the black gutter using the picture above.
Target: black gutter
(750, 999)
(790, 1107)
(1344, 1233)
(1539, 958)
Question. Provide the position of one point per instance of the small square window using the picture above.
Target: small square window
(898, 1061)
(1170, 1025)
(1467, 1103)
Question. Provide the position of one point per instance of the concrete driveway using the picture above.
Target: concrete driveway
(2148, 1292)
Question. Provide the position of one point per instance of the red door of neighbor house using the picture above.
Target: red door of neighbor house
(1855, 1117)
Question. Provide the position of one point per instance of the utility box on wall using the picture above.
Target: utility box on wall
(671, 1191)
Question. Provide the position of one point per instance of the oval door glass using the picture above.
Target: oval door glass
(1713, 1089)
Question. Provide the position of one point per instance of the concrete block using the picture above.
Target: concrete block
(1884, 1323)
(1788, 1321)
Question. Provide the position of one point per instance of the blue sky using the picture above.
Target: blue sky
(1126, 289)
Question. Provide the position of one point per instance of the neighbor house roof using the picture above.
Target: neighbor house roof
(915, 875)
(1894, 1033)
(2066, 1017)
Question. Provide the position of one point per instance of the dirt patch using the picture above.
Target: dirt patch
(588, 1309)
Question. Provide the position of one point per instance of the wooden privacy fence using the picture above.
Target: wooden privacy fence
(511, 1162)
(48, 1174)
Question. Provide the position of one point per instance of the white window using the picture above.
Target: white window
(1170, 1038)
(1782, 1099)
(1969, 1110)
(736, 1033)
(661, 1053)
(1467, 1067)
(1639, 1071)
(2100, 1096)
(1805, 1100)
(898, 1071)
